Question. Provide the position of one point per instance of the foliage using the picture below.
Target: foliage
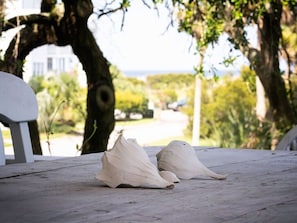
(63, 92)
(228, 117)
(36, 83)
(174, 81)
(167, 88)
(133, 95)
(206, 20)
(129, 102)
(48, 126)
(79, 148)
(274, 21)
(130, 93)
(249, 77)
(229, 113)
(201, 20)
(115, 72)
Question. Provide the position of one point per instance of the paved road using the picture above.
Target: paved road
(168, 124)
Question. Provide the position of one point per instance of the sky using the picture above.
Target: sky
(145, 43)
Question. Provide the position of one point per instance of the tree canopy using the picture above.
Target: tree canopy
(206, 20)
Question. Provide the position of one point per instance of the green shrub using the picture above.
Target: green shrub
(130, 93)
(228, 114)
(61, 100)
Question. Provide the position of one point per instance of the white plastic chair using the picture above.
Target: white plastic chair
(289, 141)
(18, 105)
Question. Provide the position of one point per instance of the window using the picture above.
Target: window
(37, 68)
(61, 65)
(49, 63)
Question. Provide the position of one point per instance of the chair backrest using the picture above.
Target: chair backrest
(18, 105)
(17, 100)
(289, 140)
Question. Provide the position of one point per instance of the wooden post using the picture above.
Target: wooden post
(196, 115)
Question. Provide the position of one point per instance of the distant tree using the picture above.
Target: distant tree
(174, 81)
(130, 92)
(167, 88)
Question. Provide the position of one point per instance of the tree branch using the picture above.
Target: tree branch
(107, 11)
(27, 20)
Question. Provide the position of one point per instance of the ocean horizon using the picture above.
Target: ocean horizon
(145, 73)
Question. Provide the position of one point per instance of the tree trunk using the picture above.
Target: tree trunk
(35, 139)
(267, 67)
(100, 99)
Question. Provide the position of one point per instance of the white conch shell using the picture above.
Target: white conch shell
(128, 164)
(169, 176)
(180, 158)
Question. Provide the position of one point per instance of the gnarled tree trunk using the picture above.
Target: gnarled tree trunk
(100, 100)
(268, 70)
(69, 27)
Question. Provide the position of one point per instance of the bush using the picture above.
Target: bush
(130, 93)
(61, 100)
(168, 88)
(228, 116)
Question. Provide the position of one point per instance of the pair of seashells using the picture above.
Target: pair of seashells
(128, 164)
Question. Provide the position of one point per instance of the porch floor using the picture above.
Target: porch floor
(261, 187)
